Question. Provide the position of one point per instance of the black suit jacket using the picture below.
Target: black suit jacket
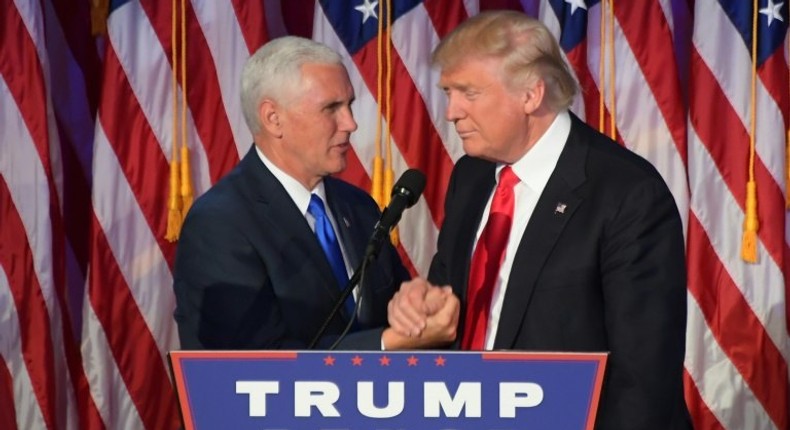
(600, 267)
(250, 273)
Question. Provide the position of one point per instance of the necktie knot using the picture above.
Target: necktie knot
(507, 179)
(316, 207)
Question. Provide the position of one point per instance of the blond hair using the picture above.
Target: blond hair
(525, 46)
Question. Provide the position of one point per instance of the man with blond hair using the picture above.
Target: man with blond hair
(555, 238)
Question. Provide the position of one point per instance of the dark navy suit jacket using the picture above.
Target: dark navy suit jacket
(250, 273)
(600, 267)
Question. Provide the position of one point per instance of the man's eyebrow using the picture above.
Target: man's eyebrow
(460, 87)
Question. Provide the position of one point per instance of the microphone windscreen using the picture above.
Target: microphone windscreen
(410, 184)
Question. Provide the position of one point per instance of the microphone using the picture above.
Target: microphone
(405, 194)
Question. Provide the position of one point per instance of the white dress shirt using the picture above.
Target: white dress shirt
(301, 197)
(534, 170)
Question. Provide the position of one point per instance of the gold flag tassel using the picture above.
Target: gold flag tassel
(99, 11)
(389, 174)
(174, 215)
(612, 106)
(181, 194)
(601, 75)
(187, 193)
(751, 223)
(607, 52)
(377, 176)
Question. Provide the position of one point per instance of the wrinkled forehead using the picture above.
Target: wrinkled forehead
(470, 71)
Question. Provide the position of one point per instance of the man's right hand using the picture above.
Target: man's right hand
(422, 315)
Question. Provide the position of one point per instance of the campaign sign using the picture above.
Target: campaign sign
(384, 390)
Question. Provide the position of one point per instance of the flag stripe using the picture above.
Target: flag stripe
(721, 130)
(444, 15)
(252, 19)
(644, 127)
(577, 58)
(140, 363)
(204, 100)
(417, 229)
(226, 44)
(50, 254)
(73, 18)
(107, 386)
(24, 76)
(772, 74)
(21, 69)
(739, 332)
(17, 260)
(721, 386)
(21, 402)
(414, 135)
(728, 59)
(703, 417)
(144, 165)
(738, 346)
(7, 411)
(647, 32)
(73, 122)
(416, 24)
(716, 209)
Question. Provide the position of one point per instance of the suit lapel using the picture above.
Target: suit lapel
(274, 207)
(346, 220)
(555, 207)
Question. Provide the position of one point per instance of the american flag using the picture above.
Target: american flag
(86, 137)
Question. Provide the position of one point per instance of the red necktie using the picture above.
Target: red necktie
(486, 261)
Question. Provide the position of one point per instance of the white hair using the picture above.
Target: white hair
(274, 69)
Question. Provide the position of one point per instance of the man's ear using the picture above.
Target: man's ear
(269, 115)
(533, 96)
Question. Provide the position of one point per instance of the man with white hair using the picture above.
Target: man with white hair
(265, 253)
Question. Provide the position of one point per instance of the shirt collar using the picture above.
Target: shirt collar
(535, 167)
(298, 193)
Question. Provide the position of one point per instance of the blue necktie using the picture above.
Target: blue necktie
(328, 240)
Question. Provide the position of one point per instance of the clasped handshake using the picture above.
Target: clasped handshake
(421, 315)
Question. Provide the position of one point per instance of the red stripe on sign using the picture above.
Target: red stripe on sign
(139, 361)
(738, 330)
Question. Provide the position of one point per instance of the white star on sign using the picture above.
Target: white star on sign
(771, 10)
(368, 9)
(576, 4)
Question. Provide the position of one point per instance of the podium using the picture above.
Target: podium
(425, 390)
